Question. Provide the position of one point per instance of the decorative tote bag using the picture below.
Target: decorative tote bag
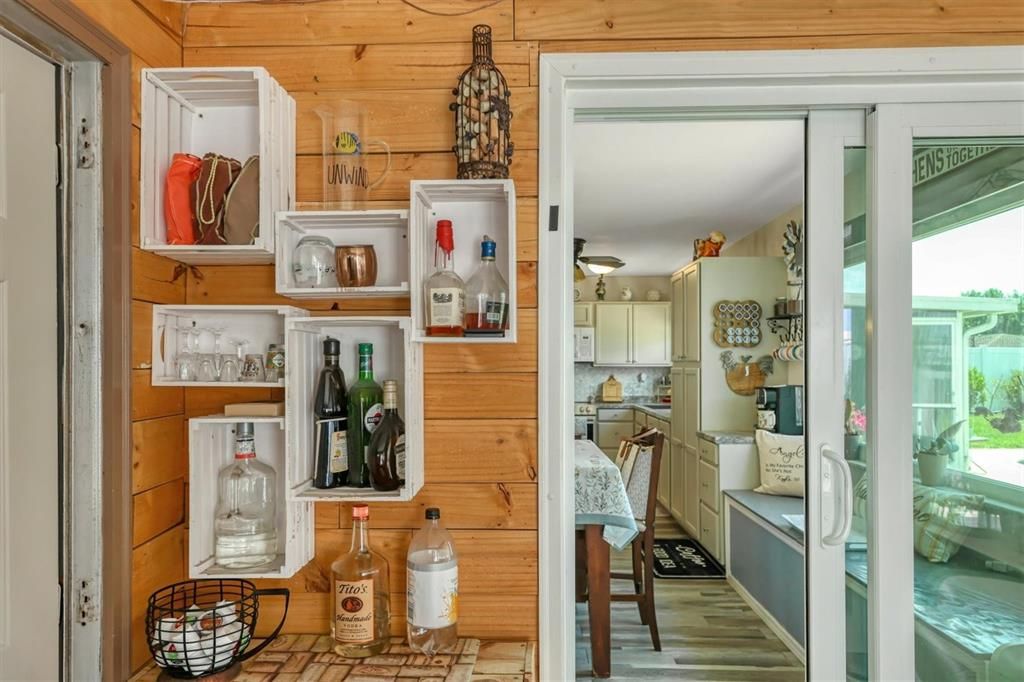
(216, 175)
(242, 205)
(178, 215)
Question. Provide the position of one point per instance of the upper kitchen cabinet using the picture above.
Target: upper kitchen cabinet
(678, 316)
(632, 334)
(691, 318)
(583, 314)
(246, 118)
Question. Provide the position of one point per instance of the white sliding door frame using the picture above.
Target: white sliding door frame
(712, 85)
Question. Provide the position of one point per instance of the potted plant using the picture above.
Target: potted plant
(933, 454)
(856, 426)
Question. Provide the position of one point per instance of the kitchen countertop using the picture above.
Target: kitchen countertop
(640, 403)
(727, 437)
(973, 621)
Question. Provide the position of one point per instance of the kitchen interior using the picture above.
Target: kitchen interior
(704, 350)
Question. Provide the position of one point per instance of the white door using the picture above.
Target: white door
(613, 334)
(652, 334)
(940, 215)
(29, 427)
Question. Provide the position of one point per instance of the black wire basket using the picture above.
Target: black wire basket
(197, 628)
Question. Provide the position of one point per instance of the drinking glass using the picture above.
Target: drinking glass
(252, 368)
(228, 368)
(207, 367)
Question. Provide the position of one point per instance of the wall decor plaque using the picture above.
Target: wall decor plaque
(737, 324)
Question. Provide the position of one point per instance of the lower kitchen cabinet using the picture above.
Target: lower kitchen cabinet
(677, 492)
(691, 495)
(711, 532)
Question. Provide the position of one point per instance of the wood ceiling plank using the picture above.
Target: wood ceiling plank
(364, 67)
(647, 19)
(365, 22)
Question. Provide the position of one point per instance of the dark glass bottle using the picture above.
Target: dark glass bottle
(387, 446)
(330, 422)
(365, 409)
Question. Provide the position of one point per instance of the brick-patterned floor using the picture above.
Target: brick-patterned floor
(309, 658)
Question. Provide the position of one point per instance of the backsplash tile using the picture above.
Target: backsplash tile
(588, 380)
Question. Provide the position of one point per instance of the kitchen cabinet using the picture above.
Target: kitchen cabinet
(691, 318)
(583, 314)
(632, 334)
(718, 467)
(678, 317)
(613, 424)
(677, 482)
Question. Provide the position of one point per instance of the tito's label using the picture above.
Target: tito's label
(353, 611)
(432, 592)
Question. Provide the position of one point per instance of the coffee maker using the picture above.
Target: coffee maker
(780, 409)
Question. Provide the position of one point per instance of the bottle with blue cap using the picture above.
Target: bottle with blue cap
(487, 295)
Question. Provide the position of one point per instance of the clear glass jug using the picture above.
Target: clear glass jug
(346, 174)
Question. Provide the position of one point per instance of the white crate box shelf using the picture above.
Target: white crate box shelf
(233, 111)
(385, 230)
(211, 447)
(258, 326)
(394, 357)
(476, 208)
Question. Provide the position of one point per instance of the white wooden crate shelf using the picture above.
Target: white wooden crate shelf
(259, 325)
(386, 230)
(211, 447)
(476, 208)
(394, 357)
(233, 111)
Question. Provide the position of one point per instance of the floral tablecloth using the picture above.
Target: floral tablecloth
(601, 495)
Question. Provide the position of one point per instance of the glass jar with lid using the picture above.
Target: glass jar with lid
(313, 263)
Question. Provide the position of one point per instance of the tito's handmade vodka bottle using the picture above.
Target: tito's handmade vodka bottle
(359, 604)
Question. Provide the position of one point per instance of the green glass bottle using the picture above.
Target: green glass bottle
(365, 410)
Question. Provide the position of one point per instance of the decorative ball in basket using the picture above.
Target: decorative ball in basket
(483, 145)
(199, 628)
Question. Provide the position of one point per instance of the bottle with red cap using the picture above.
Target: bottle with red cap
(444, 291)
(360, 604)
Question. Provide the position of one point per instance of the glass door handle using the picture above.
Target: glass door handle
(838, 538)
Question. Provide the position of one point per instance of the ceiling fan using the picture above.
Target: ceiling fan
(599, 265)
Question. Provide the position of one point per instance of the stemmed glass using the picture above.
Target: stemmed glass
(187, 364)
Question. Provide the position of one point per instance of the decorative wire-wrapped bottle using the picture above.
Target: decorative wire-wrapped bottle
(483, 145)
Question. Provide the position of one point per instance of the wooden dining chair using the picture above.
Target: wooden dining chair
(642, 490)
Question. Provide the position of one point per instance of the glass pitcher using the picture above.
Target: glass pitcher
(346, 177)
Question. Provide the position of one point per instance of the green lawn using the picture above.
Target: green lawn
(993, 438)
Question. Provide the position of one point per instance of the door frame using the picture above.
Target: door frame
(670, 85)
(95, 223)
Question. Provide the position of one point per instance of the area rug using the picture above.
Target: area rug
(684, 559)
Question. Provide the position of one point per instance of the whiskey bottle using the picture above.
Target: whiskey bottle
(360, 607)
(365, 408)
(387, 446)
(444, 291)
(330, 422)
(487, 294)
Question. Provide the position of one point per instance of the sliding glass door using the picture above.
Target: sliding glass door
(916, 393)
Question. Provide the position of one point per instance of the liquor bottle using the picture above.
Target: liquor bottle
(330, 422)
(445, 291)
(387, 446)
(360, 608)
(365, 408)
(432, 586)
(486, 294)
(245, 521)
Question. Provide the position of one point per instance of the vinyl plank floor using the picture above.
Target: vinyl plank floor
(707, 632)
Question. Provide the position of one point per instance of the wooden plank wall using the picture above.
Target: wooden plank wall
(401, 60)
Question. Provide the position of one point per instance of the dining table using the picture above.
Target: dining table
(604, 519)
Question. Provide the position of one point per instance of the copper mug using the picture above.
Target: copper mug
(357, 265)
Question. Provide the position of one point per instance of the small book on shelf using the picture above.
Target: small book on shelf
(266, 408)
